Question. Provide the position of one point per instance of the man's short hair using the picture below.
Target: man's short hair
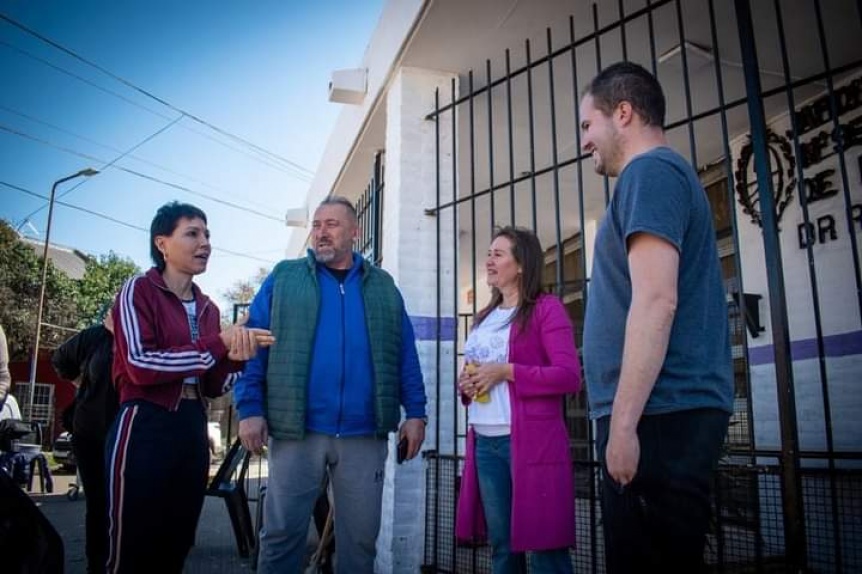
(342, 201)
(632, 83)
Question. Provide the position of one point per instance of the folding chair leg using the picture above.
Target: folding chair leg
(258, 524)
(234, 510)
(45, 480)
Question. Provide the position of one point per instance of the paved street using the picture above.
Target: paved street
(214, 552)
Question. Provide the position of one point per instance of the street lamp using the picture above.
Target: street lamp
(83, 173)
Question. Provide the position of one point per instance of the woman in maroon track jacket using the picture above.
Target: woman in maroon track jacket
(169, 353)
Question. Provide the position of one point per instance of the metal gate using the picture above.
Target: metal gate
(765, 100)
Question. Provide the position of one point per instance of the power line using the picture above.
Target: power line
(293, 172)
(112, 162)
(200, 194)
(139, 174)
(75, 207)
(153, 96)
(123, 223)
(80, 78)
(114, 149)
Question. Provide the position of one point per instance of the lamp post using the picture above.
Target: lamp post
(83, 173)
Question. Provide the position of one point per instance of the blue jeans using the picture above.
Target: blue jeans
(493, 465)
(659, 521)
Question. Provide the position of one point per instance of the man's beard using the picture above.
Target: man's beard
(612, 157)
(324, 257)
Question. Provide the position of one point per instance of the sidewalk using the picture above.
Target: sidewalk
(214, 551)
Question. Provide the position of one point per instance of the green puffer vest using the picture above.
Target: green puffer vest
(295, 302)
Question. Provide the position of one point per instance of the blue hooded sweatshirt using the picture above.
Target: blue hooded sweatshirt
(340, 384)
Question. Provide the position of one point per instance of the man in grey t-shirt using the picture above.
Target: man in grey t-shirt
(656, 346)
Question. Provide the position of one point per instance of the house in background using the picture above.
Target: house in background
(69, 260)
(462, 115)
(52, 394)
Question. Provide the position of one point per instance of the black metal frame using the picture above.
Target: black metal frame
(803, 498)
(369, 210)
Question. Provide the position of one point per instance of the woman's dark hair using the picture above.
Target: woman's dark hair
(628, 82)
(164, 223)
(527, 252)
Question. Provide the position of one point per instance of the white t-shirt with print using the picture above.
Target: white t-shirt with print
(191, 315)
(489, 343)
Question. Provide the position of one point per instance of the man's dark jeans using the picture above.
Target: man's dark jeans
(659, 521)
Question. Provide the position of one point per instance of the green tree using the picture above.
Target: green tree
(241, 293)
(20, 282)
(102, 279)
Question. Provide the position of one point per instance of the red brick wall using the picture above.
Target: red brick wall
(64, 391)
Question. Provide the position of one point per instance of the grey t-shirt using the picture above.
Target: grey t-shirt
(659, 193)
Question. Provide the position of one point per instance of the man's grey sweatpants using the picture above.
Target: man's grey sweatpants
(296, 472)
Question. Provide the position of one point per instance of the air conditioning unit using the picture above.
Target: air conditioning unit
(348, 86)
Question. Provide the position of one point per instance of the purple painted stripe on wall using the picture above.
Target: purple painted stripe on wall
(833, 346)
(426, 328)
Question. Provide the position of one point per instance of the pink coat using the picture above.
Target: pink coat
(546, 367)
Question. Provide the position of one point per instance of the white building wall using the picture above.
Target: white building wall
(840, 319)
(409, 247)
(381, 55)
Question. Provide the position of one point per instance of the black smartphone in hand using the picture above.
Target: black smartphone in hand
(401, 456)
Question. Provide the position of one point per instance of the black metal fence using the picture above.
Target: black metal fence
(746, 533)
(765, 99)
(369, 210)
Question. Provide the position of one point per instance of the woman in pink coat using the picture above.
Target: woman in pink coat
(517, 489)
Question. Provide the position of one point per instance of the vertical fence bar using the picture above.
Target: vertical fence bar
(471, 112)
(532, 134)
(794, 520)
(594, 544)
(621, 11)
(728, 166)
(651, 31)
(362, 207)
(368, 234)
(454, 133)
(840, 142)
(473, 216)
(376, 211)
(473, 242)
(552, 109)
(737, 257)
(838, 130)
(360, 214)
(511, 136)
(598, 43)
(813, 283)
(490, 139)
(473, 553)
(438, 359)
(686, 83)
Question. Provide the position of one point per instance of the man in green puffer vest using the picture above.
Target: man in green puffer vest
(325, 396)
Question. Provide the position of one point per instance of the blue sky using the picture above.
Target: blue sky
(256, 70)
